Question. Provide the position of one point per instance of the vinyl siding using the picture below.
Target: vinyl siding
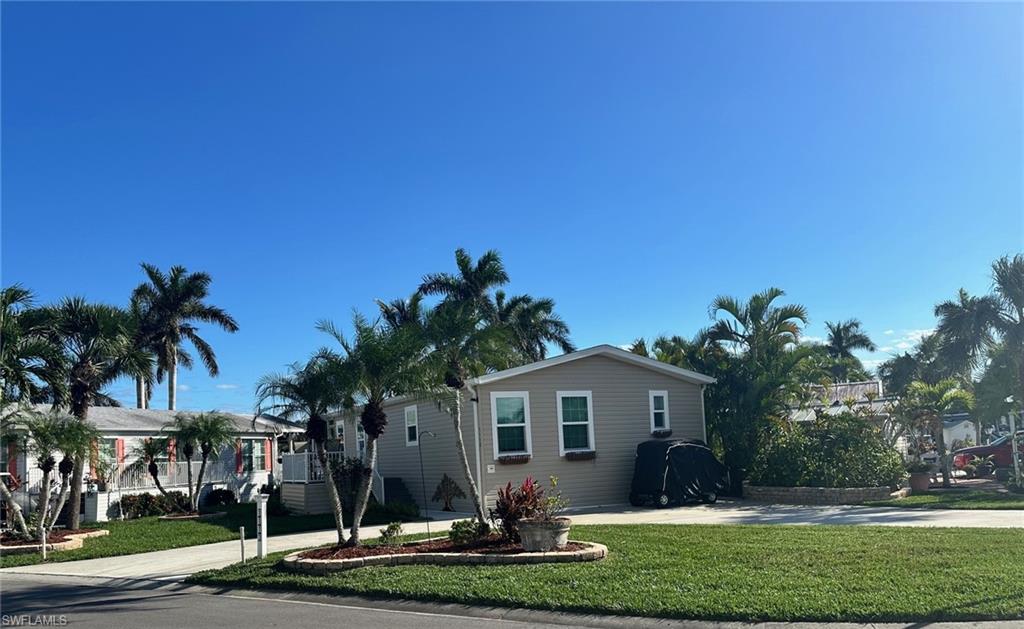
(621, 420)
(395, 459)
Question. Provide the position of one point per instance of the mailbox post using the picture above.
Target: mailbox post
(261, 525)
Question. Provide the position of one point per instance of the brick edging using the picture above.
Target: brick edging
(72, 542)
(294, 563)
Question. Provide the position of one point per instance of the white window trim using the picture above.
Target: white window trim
(525, 395)
(650, 405)
(590, 421)
(415, 422)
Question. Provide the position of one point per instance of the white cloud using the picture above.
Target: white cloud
(917, 335)
(889, 332)
(227, 386)
(887, 348)
(184, 387)
(811, 340)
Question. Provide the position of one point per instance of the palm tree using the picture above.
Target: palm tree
(309, 392)
(142, 328)
(146, 454)
(460, 348)
(382, 361)
(402, 312)
(843, 338)
(927, 403)
(473, 283)
(532, 325)
(182, 433)
(30, 364)
(96, 349)
(173, 302)
(213, 432)
(757, 327)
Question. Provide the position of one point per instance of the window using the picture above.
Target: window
(575, 421)
(412, 434)
(252, 456)
(510, 414)
(659, 410)
(360, 441)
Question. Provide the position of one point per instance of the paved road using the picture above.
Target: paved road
(121, 604)
(175, 564)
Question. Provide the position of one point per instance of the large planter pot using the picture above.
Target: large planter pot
(920, 481)
(541, 536)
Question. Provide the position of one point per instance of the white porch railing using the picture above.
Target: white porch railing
(304, 467)
(171, 475)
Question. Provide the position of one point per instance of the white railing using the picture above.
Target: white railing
(304, 467)
(170, 475)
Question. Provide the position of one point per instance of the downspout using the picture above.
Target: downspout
(476, 440)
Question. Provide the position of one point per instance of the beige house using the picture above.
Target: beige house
(578, 417)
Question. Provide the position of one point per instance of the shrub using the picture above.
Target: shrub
(514, 504)
(838, 451)
(146, 505)
(918, 467)
(466, 532)
(390, 534)
(219, 498)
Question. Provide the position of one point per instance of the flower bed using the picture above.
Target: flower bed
(57, 540)
(491, 550)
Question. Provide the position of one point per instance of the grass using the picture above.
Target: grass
(719, 572)
(956, 499)
(149, 534)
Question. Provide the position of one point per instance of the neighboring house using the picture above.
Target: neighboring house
(113, 470)
(577, 416)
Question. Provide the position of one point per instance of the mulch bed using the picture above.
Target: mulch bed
(490, 545)
(59, 535)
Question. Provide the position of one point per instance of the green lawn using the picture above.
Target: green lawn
(148, 534)
(719, 572)
(956, 499)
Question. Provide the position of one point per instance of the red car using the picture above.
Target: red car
(999, 450)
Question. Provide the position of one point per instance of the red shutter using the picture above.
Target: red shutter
(119, 453)
(12, 465)
(238, 456)
(268, 459)
(171, 453)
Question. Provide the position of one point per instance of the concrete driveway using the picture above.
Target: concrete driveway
(177, 563)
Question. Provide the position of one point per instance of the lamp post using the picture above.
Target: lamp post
(423, 480)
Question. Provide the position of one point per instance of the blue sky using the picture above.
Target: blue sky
(630, 161)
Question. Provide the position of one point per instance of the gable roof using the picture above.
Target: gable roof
(122, 419)
(607, 351)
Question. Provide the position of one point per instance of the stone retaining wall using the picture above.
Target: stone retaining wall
(818, 495)
(295, 563)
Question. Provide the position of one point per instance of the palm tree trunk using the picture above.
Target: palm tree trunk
(80, 409)
(141, 400)
(460, 447)
(64, 491)
(154, 472)
(16, 513)
(43, 509)
(363, 497)
(199, 483)
(172, 380)
(191, 492)
(944, 458)
(332, 490)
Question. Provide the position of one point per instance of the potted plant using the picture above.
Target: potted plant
(920, 476)
(545, 529)
(983, 466)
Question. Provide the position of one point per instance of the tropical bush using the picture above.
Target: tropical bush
(390, 534)
(840, 451)
(514, 504)
(465, 532)
(146, 505)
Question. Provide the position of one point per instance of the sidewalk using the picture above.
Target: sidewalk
(177, 563)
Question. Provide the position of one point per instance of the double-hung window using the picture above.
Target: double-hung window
(659, 410)
(412, 431)
(510, 415)
(253, 459)
(575, 421)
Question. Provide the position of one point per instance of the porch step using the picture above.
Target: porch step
(395, 492)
